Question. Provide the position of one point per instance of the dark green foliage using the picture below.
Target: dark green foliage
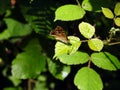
(30, 59)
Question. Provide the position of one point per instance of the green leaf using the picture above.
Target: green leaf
(13, 88)
(30, 63)
(95, 44)
(75, 41)
(117, 9)
(32, 45)
(108, 13)
(41, 85)
(86, 29)
(14, 80)
(105, 60)
(5, 35)
(58, 70)
(15, 29)
(95, 5)
(10, 88)
(87, 79)
(87, 5)
(62, 48)
(117, 21)
(42, 78)
(69, 13)
(8, 13)
(73, 59)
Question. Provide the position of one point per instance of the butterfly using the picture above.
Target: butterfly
(59, 34)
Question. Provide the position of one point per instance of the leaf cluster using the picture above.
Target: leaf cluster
(31, 59)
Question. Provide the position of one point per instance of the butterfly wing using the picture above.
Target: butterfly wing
(59, 34)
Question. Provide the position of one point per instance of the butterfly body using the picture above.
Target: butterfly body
(59, 34)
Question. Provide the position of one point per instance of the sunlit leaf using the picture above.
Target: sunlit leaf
(86, 29)
(105, 60)
(95, 5)
(108, 13)
(87, 5)
(62, 48)
(73, 59)
(95, 44)
(69, 13)
(75, 44)
(87, 79)
(117, 9)
(117, 21)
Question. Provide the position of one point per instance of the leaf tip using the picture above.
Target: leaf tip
(55, 19)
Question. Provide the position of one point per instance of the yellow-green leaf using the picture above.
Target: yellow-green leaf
(62, 48)
(74, 59)
(105, 60)
(117, 21)
(86, 29)
(108, 13)
(75, 41)
(95, 44)
(69, 12)
(117, 9)
(88, 79)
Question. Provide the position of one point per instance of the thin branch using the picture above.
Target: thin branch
(89, 62)
(30, 82)
(114, 43)
(84, 40)
(78, 3)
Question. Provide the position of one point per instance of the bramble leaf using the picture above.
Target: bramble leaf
(69, 13)
(95, 44)
(58, 70)
(117, 21)
(15, 29)
(105, 60)
(86, 29)
(117, 9)
(62, 48)
(74, 59)
(108, 13)
(84, 77)
(30, 63)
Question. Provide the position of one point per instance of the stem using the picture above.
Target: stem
(78, 3)
(84, 40)
(29, 84)
(114, 43)
(89, 62)
(30, 81)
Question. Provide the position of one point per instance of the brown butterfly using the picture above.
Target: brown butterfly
(59, 34)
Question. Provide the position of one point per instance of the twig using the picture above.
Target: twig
(89, 62)
(29, 84)
(114, 43)
(84, 40)
(30, 81)
(78, 3)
